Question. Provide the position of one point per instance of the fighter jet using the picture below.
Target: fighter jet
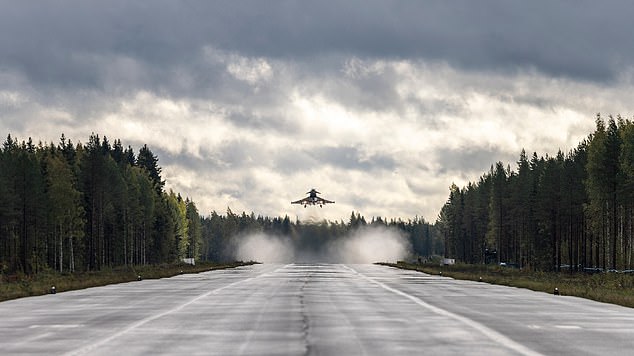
(313, 199)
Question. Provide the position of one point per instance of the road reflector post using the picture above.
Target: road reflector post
(53, 290)
(556, 292)
(138, 278)
(480, 279)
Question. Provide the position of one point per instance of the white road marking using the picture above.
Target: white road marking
(55, 326)
(490, 333)
(88, 348)
(570, 327)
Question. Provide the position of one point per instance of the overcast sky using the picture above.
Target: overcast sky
(380, 105)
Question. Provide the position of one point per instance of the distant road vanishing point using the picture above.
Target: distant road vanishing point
(312, 309)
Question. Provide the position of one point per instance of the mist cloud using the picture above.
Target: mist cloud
(367, 244)
(371, 244)
(264, 248)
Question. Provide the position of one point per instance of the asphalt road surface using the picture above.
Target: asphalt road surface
(302, 309)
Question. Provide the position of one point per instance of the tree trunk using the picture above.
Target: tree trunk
(615, 234)
(72, 255)
(61, 247)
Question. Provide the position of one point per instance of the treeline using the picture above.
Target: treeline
(221, 234)
(84, 207)
(571, 211)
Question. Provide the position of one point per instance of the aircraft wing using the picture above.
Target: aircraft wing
(301, 201)
(325, 201)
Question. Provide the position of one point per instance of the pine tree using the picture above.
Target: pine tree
(148, 161)
(496, 232)
(65, 213)
(194, 233)
(627, 169)
(9, 206)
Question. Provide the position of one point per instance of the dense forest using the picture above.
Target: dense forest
(571, 211)
(82, 207)
(88, 206)
(222, 233)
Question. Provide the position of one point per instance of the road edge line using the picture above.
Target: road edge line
(488, 332)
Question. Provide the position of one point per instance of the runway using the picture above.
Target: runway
(312, 309)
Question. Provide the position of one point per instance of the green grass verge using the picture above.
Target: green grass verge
(611, 288)
(41, 283)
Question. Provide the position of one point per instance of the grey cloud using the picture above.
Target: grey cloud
(87, 58)
(273, 124)
(432, 108)
(240, 154)
(352, 158)
(348, 158)
(420, 187)
(372, 92)
(472, 159)
(293, 160)
(538, 100)
(360, 200)
(204, 162)
(57, 43)
(233, 154)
